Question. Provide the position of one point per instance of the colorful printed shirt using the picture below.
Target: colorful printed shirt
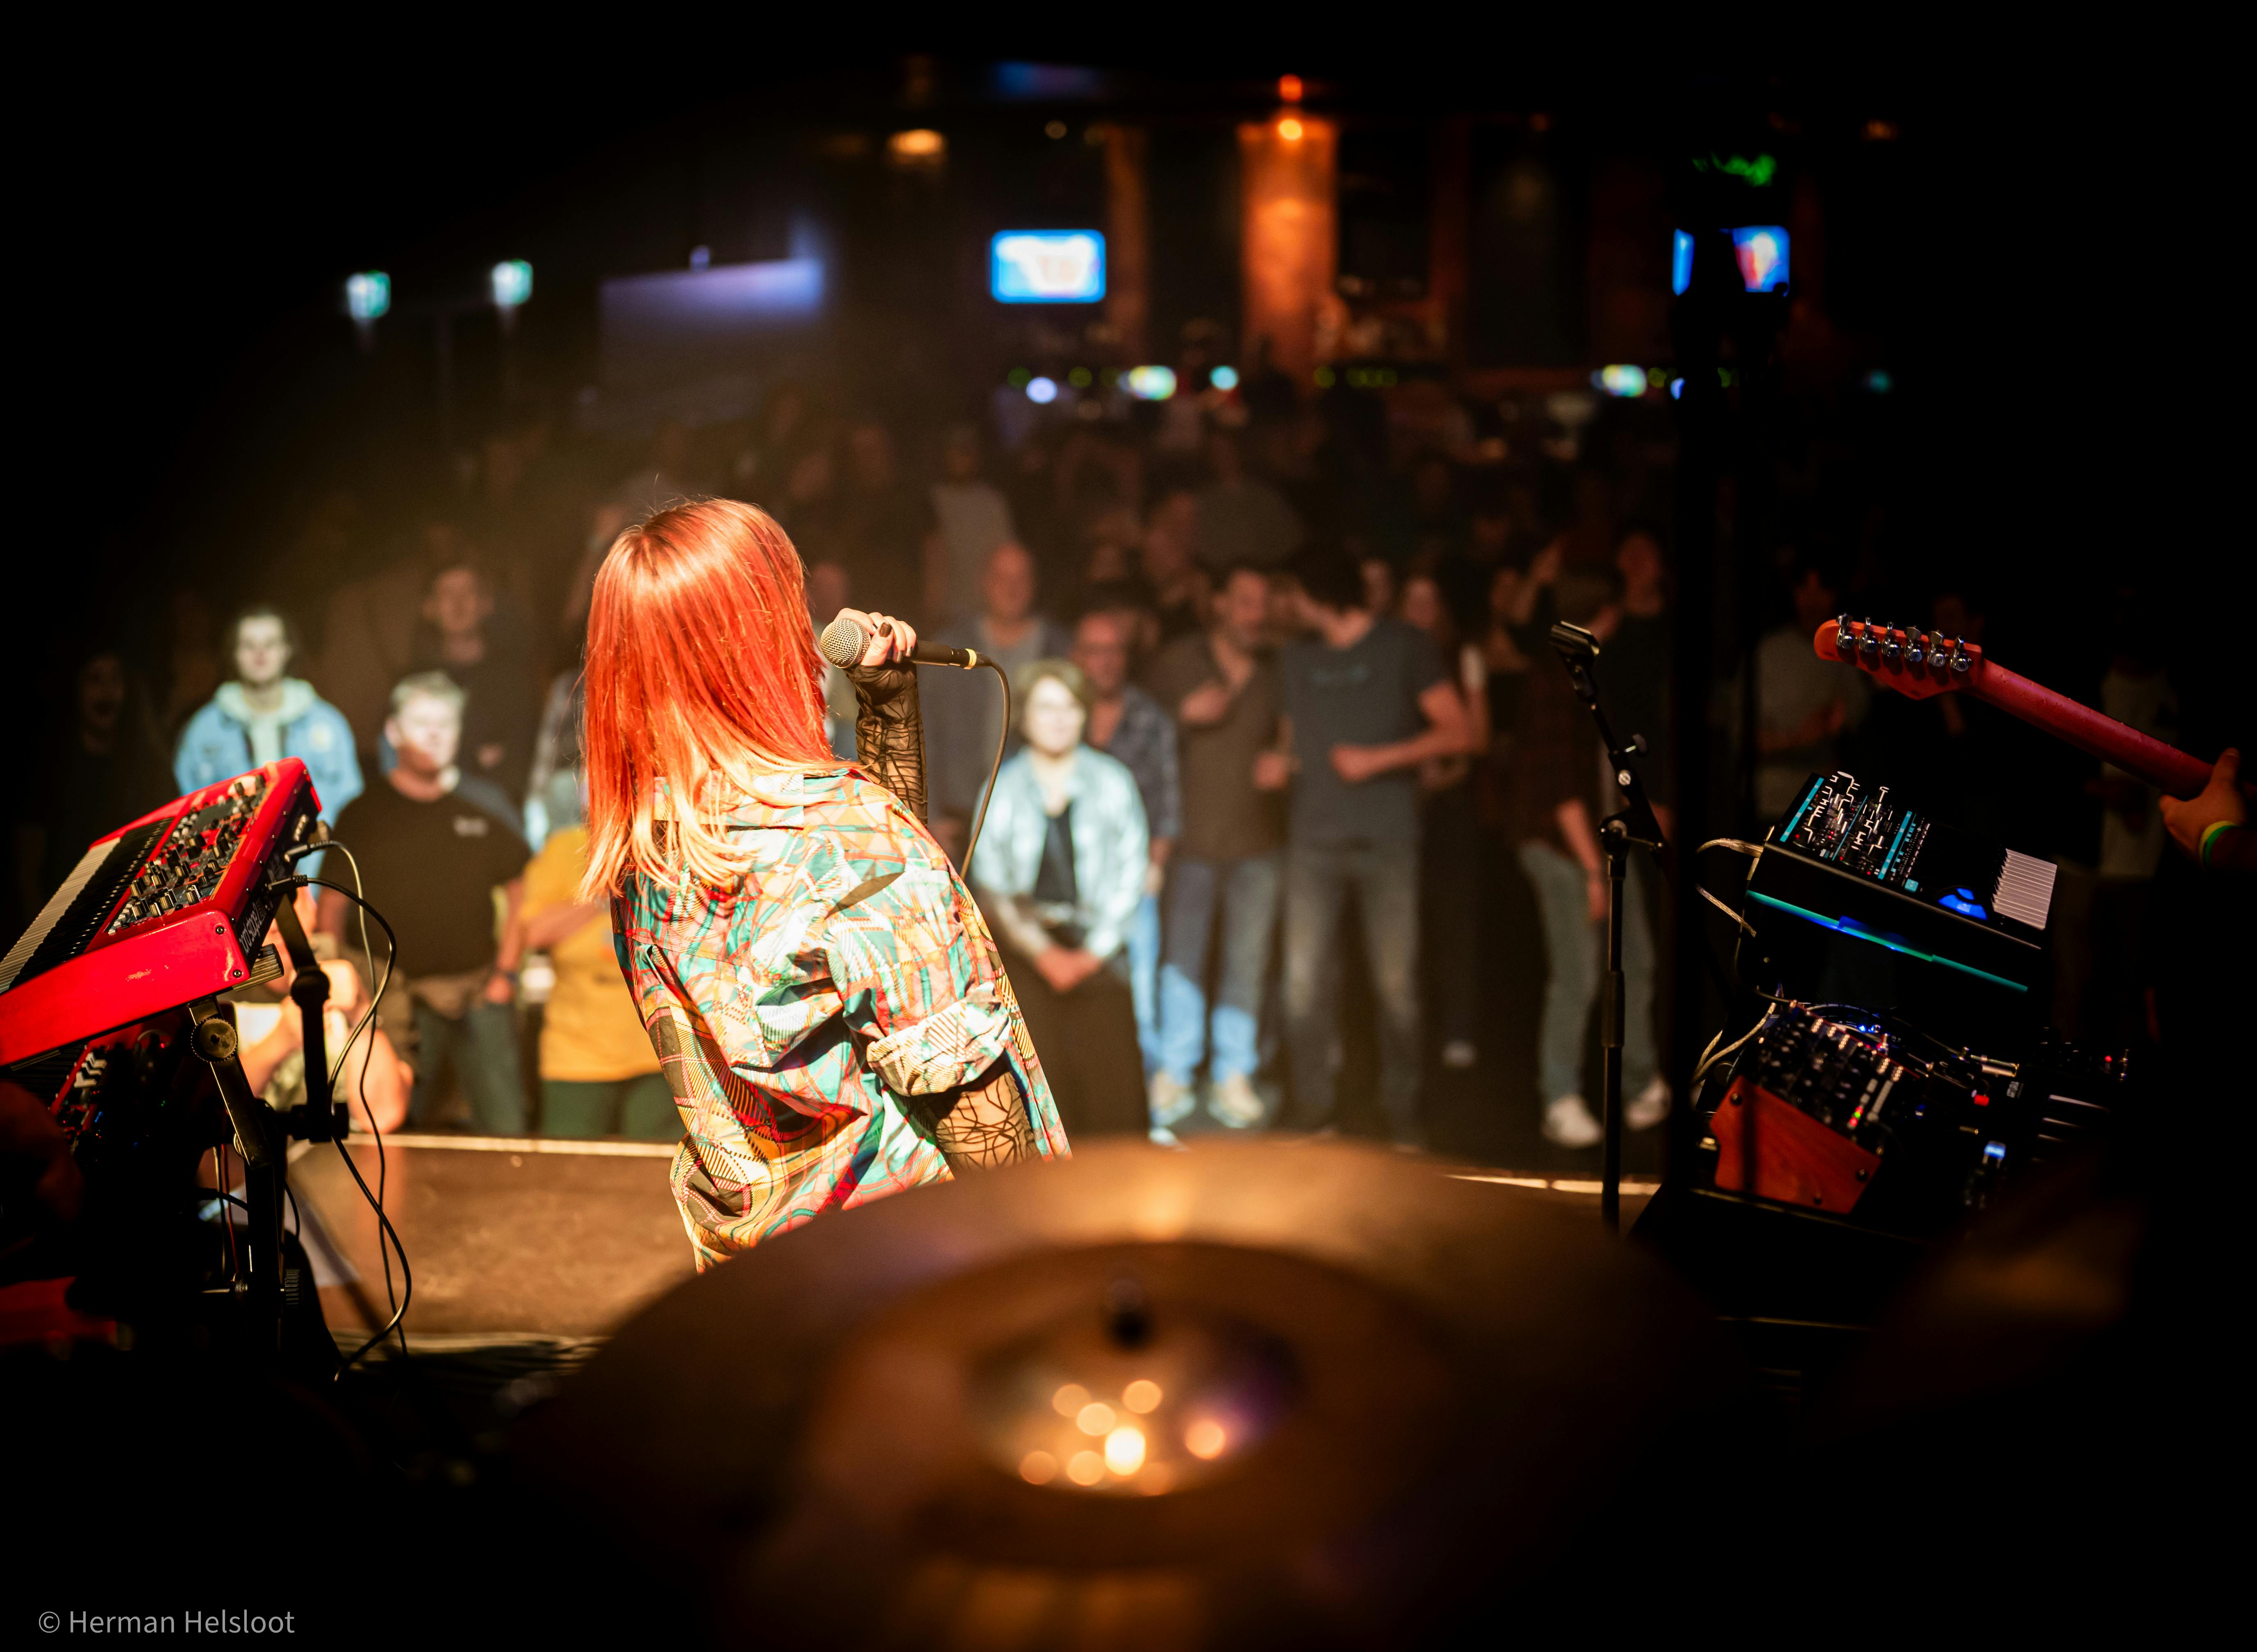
(793, 1013)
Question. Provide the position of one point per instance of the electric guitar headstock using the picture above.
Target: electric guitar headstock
(1914, 663)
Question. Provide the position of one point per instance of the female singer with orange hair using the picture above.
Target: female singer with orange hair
(823, 996)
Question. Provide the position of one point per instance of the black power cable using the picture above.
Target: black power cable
(386, 1231)
(368, 959)
(220, 1175)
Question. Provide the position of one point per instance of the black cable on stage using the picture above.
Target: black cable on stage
(288, 1192)
(375, 1201)
(220, 1175)
(368, 957)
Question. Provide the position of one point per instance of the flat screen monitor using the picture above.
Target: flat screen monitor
(1047, 267)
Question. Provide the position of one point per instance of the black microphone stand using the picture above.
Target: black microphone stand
(1632, 825)
(324, 1119)
(262, 1135)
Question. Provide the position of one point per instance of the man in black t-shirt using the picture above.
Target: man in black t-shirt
(464, 636)
(1366, 701)
(433, 847)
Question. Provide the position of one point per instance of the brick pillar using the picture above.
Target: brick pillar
(1290, 248)
(1128, 242)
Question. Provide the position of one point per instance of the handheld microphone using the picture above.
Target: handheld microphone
(844, 639)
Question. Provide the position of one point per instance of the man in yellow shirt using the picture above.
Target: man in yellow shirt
(598, 1073)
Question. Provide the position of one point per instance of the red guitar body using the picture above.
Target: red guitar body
(1920, 664)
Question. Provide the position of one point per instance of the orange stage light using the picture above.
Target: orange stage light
(1289, 226)
(917, 144)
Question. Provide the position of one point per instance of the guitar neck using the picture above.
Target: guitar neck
(2166, 767)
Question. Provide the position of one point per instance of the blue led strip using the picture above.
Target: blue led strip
(1850, 927)
(1896, 843)
(1808, 797)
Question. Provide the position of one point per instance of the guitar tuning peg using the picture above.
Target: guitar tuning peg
(1892, 646)
(1844, 640)
(1870, 643)
(1915, 646)
(1959, 660)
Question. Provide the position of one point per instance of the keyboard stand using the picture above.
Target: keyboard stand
(261, 1141)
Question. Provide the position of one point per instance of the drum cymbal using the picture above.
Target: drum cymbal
(1257, 1393)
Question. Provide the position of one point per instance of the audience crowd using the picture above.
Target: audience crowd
(1282, 723)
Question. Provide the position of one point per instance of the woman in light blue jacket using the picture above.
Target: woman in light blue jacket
(264, 715)
(1059, 871)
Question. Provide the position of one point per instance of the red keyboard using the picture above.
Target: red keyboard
(160, 913)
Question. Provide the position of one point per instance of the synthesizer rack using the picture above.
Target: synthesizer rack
(1901, 1072)
(170, 909)
(1860, 898)
(110, 1013)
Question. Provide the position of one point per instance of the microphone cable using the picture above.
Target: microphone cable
(385, 1230)
(841, 644)
(374, 1197)
(995, 768)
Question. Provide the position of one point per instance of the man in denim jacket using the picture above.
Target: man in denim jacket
(264, 715)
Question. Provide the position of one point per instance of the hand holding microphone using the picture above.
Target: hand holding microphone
(856, 638)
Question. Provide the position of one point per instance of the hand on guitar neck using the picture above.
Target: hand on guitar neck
(1920, 664)
(2213, 826)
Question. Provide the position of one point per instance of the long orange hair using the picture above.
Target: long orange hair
(702, 672)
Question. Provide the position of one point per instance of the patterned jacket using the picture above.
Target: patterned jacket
(794, 1012)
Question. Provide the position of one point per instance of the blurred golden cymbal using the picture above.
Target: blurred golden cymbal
(1257, 1393)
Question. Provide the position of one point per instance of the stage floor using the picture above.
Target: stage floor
(506, 1236)
(518, 1238)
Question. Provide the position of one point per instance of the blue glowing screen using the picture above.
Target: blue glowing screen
(1047, 267)
(1963, 901)
(1759, 249)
